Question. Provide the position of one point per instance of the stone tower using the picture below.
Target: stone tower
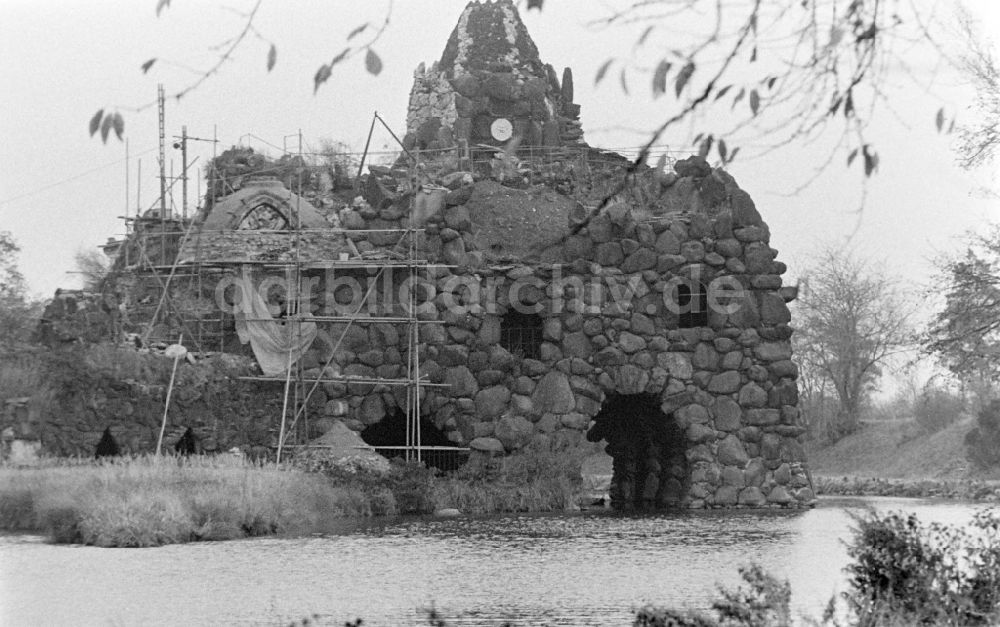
(490, 86)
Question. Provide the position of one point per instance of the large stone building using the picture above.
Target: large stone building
(562, 294)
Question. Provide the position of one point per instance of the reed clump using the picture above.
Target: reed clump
(149, 501)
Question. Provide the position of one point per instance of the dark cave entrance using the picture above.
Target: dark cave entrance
(647, 449)
(389, 437)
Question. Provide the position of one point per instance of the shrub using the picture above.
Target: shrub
(764, 604)
(915, 574)
(936, 408)
(385, 487)
(982, 442)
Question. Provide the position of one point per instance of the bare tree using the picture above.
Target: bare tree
(979, 142)
(93, 266)
(851, 320)
(767, 72)
(18, 311)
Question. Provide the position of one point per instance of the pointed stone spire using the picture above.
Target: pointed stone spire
(491, 86)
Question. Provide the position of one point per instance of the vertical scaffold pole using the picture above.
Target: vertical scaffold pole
(160, 101)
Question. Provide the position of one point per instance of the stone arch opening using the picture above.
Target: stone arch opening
(389, 435)
(647, 450)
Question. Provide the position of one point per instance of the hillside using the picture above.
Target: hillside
(892, 450)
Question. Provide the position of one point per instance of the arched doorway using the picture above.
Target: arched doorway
(388, 436)
(647, 449)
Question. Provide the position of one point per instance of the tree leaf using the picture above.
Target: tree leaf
(272, 57)
(849, 104)
(160, 5)
(322, 74)
(697, 139)
(739, 96)
(754, 101)
(753, 54)
(732, 155)
(771, 81)
(106, 127)
(951, 126)
(340, 57)
(851, 157)
(95, 122)
(939, 119)
(372, 62)
(148, 64)
(119, 125)
(357, 31)
(535, 4)
(706, 146)
(722, 92)
(660, 78)
(683, 77)
(601, 71)
(622, 81)
(871, 160)
(723, 150)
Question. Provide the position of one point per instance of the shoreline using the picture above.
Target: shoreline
(974, 490)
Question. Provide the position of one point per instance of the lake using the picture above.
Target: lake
(590, 568)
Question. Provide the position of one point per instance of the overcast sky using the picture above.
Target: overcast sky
(61, 60)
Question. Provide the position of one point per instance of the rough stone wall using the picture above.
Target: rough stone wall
(491, 69)
(728, 385)
(90, 388)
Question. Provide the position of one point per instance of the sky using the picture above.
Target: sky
(62, 191)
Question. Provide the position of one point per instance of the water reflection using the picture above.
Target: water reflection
(548, 569)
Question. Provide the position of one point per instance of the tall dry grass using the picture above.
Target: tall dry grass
(535, 479)
(150, 501)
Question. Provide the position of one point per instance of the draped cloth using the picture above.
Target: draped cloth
(277, 344)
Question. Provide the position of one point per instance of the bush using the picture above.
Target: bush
(389, 488)
(903, 573)
(936, 408)
(764, 604)
(915, 574)
(982, 442)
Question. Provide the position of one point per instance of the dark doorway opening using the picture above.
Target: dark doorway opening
(107, 447)
(647, 449)
(388, 436)
(187, 444)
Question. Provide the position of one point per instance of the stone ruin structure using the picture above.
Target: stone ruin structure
(562, 297)
(489, 86)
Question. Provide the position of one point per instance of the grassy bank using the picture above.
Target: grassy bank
(970, 490)
(532, 480)
(896, 450)
(149, 501)
(896, 458)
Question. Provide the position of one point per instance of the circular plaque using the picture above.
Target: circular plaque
(501, 129)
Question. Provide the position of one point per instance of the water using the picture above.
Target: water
(585, 569)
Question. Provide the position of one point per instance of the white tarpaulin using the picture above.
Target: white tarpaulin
(276, 343)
